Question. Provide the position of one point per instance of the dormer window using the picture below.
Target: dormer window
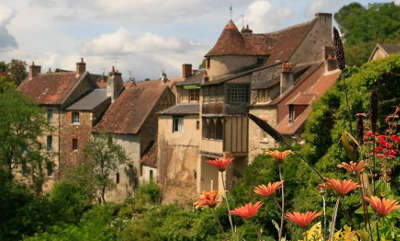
(262, 96)
(291, 114)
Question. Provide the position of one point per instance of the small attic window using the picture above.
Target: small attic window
(291, 114)
(208, 63)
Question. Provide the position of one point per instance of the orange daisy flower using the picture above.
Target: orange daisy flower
(207, 199)
(353, 167)
(269, 189)
(279, 156)
(247, 211)
(342, 187)
(303, 219)
(221, 164)
(382, 205)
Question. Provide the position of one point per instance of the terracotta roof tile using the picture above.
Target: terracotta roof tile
(128, 113)
(150, 158)
(49, 88)
(302, 99)
(279, 46)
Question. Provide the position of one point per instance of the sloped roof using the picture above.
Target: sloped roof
(390, 48)
(90, 101)
(49, 88)
(130, 110)
(150, 158)
(279, 45)
(315, 92)
(182, 109)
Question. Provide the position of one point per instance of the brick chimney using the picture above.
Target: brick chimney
(34, 70)
(115, 84)
(186, 70)
(287, 79)
(330, 61)
(80, 67)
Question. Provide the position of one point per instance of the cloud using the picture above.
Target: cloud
(397, 2)
(143, 55)
(7, 41)
(327, 6)
(262, 16)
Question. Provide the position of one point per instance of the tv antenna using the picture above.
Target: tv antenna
(231, 9)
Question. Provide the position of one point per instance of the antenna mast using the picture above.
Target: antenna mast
(231, 9)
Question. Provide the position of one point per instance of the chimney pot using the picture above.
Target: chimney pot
(34, 70)
(80, 67)
(186, 70)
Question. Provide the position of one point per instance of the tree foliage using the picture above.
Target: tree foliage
(21, 123)
(365, 26)
(14, 72)
(104, 158)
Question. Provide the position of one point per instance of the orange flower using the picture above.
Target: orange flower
(247, 211)
(207, 199)
(221, 164)
(268, 190)
(279, 156)
(303, 219)
(342, 187)
(382, 205)
(353, 167)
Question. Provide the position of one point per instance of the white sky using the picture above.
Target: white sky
(140, 37)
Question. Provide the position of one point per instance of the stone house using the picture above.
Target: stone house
(132, 121)
(74, 105)
(384, 50)
(274, 76)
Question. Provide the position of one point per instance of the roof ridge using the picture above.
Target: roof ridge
(291, 27)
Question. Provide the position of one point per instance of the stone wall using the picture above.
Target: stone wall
(311, 49)
(379, 54)
(220, 65)
(177, 159)
(258, 139)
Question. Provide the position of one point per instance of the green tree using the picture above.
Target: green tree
(22, 121)
(104, 156)
(17, 71)
(365, 26)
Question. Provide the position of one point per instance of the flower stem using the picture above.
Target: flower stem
(365, 208)
(324, 209)
(219, 223)
(227, 204)
(283, 203)
(332, 231)
(378, 237)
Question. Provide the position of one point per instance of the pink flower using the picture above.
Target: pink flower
(221, 164)
(247, 211)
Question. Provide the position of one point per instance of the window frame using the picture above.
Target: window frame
(75, 118)
(291, 114)
(49, 143)
(238, 94)
(50, 116)
(75, 144)
(177, 124)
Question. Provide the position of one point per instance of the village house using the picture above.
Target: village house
(80, 104)
(274, 76)
(384, 50)
(74, 105)
(132, 121)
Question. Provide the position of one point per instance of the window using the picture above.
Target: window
(151, 175)
(238, 94)
(213, 128)
(291, 114)
(49, 116)
(208, 63)
(177, 125)
(49, 167)
(197, 125)
(262, 96)
(117, 178)
(74, 144)
(49, 143)
(194, 95)
(75, 117)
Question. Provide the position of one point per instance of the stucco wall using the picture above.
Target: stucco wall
(220, 65)
(127, 173)
(379, 54)
(146, 174)
(258, 141)
(177, 159)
